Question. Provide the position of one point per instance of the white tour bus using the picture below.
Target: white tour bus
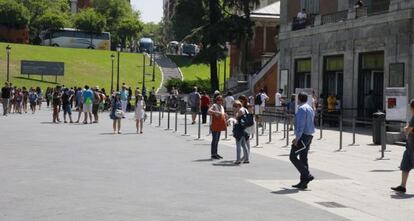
(72, 38)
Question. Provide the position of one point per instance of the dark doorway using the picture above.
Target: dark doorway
(370, 80)
(303, 77)
(333, 77)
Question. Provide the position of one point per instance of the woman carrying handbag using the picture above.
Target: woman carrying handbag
(218, 125)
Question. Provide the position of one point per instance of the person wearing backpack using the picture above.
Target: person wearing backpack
(243, 121)
(218, 125)
(260, 104)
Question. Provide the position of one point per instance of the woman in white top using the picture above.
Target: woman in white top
(140, 113)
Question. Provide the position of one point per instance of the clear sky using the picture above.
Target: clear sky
(151, 10)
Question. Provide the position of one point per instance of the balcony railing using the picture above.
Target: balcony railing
(298, 24)
(334, 17)
(378, 7)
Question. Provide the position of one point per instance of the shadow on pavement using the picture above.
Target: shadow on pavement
(401, 196)
(226, 163)
(286, 191)
(203, 160)
(383, 171)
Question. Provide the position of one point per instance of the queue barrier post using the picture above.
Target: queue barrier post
(199, 127)
(270, 132)
(159, 116)
(185, 121)
(168, 118)
(151, 114)
(340, 131)
(287, 129)
(176, 120)
(321, 125)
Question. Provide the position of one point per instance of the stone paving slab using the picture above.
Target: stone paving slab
(84, 172)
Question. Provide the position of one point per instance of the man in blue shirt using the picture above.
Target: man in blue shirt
(304, 130)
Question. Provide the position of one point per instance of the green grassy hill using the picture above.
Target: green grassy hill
(82, 66)
(193, 71)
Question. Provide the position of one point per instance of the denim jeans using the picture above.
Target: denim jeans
(214, 142)
(242, 144)
(5, 102)
(301, 150)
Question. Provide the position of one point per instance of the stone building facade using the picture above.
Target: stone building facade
(348, 51)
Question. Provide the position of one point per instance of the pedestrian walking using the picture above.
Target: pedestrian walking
(39, 97)
(228, 101)
(79, 103)
(124, 98)
(56, 102)
(18, 100)
(33, 100)
(304, 130)
(66, 105)
(116, 112)
(407, 162)
(140, 113)
(5, 97)
(25, 99)
(87, 104)
(218, 125)
(194, 103)
(96, 103)
(205, 104)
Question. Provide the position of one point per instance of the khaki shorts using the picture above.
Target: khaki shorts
(87, 108)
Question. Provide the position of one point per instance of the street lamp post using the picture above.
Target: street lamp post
(143, 72)
(8, 50)
(112, 75)
(153, 68)
(226, 53)
(118, 50)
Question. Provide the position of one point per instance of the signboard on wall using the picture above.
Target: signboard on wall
(309, 91)
(396, 75)
(396, 103)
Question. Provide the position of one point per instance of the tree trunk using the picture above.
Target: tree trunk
(213, 76)
(214, 16)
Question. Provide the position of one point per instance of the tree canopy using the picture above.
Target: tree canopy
(90, 21)
(13, 14)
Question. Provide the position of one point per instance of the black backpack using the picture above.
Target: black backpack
(258, 99)
(247, 120)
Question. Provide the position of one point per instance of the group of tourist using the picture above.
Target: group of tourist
(19, 100)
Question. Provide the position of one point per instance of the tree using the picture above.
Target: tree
(90, 21)
(38, 8)
(53, 21)
(13, 15)
(152, 30)
(245, 27)
(128, 29)
(188, 15)
(114, 12)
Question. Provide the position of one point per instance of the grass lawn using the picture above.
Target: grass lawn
(82, 66)
(193, 71)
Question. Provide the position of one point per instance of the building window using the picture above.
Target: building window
(311, 6)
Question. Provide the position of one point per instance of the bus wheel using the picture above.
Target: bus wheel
(55, 45)
(91, 47)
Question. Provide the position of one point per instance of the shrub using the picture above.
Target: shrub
(187, 86)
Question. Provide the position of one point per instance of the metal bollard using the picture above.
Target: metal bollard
(383, 141)
(185, 123)
(151, 114)
(284, 127)
(353, 132)
(159, 117)
(176, 120)
(257, 135)
(277, 125)
(340, 131)
(270, 132)
(321, 125)
(168, 119)
(163, 111)
(199, 127)
(287, 130)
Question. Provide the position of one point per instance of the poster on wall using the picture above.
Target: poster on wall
(309, 91)
(396, 75)
(283, 81)
(396, 103)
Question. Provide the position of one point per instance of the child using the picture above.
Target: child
(407, 162)
(140, 113)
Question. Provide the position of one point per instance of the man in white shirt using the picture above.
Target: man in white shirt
(229, 101)
(278, 98)
(302, 15)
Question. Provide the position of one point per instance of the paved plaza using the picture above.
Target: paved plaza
(84, 172)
